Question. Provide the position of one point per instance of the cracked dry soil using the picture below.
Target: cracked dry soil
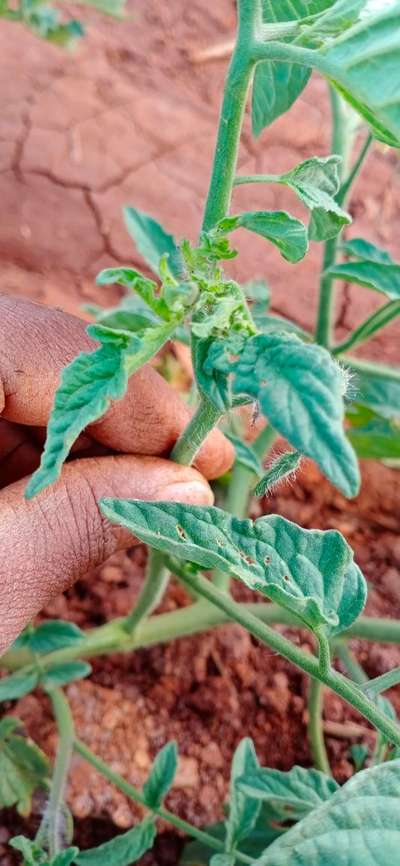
(129, 118)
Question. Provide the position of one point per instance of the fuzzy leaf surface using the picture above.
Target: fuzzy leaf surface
(300, 390)
(358, 826)
(381, 393)
(281, 468)
(309, 572)
(161, 776)
(121, 850)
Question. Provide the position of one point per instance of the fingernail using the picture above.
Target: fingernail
(193, 492)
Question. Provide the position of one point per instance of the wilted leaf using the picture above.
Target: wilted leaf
(309, 572)
(358, 826)
(121, 850)
(316, 181)
(161, 776)
(152, 241)
(295, 793)
(64, 673)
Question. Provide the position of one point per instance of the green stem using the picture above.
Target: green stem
(135, 795)
(324, 656)
(345, 188)
(378, 320)
(341, 144)
(155, 583)
(157, 576)
(303, 660)
(359, 676)
(54, 819)
(315, 727)
(184, 622)
(235, 95)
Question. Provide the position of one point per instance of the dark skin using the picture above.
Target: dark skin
(48, 543)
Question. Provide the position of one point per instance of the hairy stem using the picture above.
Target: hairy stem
(54, 817)
(324, 656)
(135, 795)
(315, 727)
(233, 105)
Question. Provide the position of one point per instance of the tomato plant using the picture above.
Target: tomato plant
(242, 355)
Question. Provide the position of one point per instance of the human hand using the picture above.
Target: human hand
(48, 543)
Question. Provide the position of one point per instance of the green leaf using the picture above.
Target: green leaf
(309, 572)
(284, 231)
(161, 776)
(54, 634)
(381, 277)
(23, 768)
(65, 858)
(295, 793)
(276, 87)
(358, 826)
(372, 436)
(87, 387)
(378, 391)
(281, 468)
(300, 390)
(363, 64)
(212, 383)
(243, 810)
(245, 454)
(64, 673)
(264, 832)
(316, 181)
(134, 280)
(18, 684)
(31, 852)
(121, 850)
(115, 8)
(359, 248)
(152, 241)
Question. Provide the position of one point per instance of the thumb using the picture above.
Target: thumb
(48, 543)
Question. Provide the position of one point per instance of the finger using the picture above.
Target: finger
(37, 342)
(48, 543)
(19, 456)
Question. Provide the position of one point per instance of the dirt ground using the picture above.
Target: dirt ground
(129, 118)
